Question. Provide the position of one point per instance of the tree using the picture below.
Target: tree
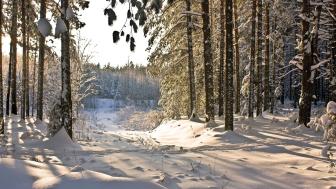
(191, 66)
(24, 59)
(221, 82)
(252, 60)
(306, 83)
(258, 81)
(40, 69)
(13, 55)
(237, 57)
(229, 66)
(267, 58)
(208, 67)
(2, 125)
(66, 102)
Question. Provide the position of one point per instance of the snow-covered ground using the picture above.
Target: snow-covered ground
(268, 152)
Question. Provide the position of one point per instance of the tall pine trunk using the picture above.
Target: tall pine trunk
(332, 87)
(221, 82)
(13, 56)
(27, 106)
(252, 60)
(273, 97)
(208, 67)
(66, 102)
(33, 104)
(258, 82)
(9, 80)
(192, 88)
(24, 59)
(2, 125)
(267, 58)
(40, 72)
(306, 83)
(237, 57)
(229, 66)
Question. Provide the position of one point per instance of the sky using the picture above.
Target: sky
(98, 31)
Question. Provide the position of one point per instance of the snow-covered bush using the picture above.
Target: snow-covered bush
(328, 122)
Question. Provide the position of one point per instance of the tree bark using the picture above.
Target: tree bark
(66, 102)
(2, 125)
(221, 82)
(252, 60)
(267, 59)
(259, 58)
(192, 88)
(14, 58)
(208, 67)
(237, 57)
(40, 72)
(24, 59)
(229, 66)
(273, 97)
(306, 84)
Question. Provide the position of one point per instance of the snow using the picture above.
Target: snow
(44, 27)
(331, 107)
(260, 153)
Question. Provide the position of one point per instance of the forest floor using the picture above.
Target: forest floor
(268, 152)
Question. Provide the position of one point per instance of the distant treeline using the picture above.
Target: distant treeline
(129, 82)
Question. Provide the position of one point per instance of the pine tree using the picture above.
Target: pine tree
(66, 102)
(208, 67)
(252, 60)
(191, 66)
(13, 55)
(221, 81)
(229, 66)
(40, 69)
(267, 58)
(306, 83)
(259, 58)
(2, 125)
(237, 57)
(24, 59)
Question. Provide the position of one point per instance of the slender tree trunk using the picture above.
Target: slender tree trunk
(252, 60)
(24, 59)
(9, 81)
(267, 59)
(14, 58)
(315, 53)
(2, 125)
(306, 94)
(229, 66)
(27, 76)
(259, 58)
(208, 67)
(40, 72)
(221, 81)
(192, 89)
(34, 81)
(273, 87)
(237, 57)
(66, 102)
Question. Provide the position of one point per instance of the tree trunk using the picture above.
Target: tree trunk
(2, 125)
(259, 58)
(273, 97)
(34, 82)
(9, 80)
(221, 81)
(267, 59)
(252, 60)
(208, 67)
(229, 66)
(332, 86)
(27, 75)
(237, 57)
(66, 102)
(306, 90)
(192, 89)
(13, 55)
(40, 72)
(24, 59)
